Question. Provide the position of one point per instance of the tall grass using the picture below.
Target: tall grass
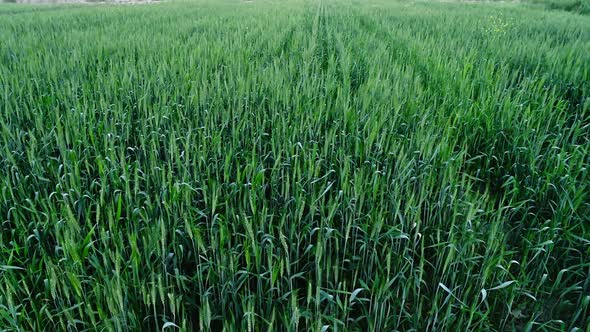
(325, 166)
(576, 6)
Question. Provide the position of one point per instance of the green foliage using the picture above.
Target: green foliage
(576, 6)
(332, 165)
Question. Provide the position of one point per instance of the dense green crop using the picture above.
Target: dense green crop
(308, 165)
(576, 6)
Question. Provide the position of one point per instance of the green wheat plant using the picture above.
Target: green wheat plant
(333, 165)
